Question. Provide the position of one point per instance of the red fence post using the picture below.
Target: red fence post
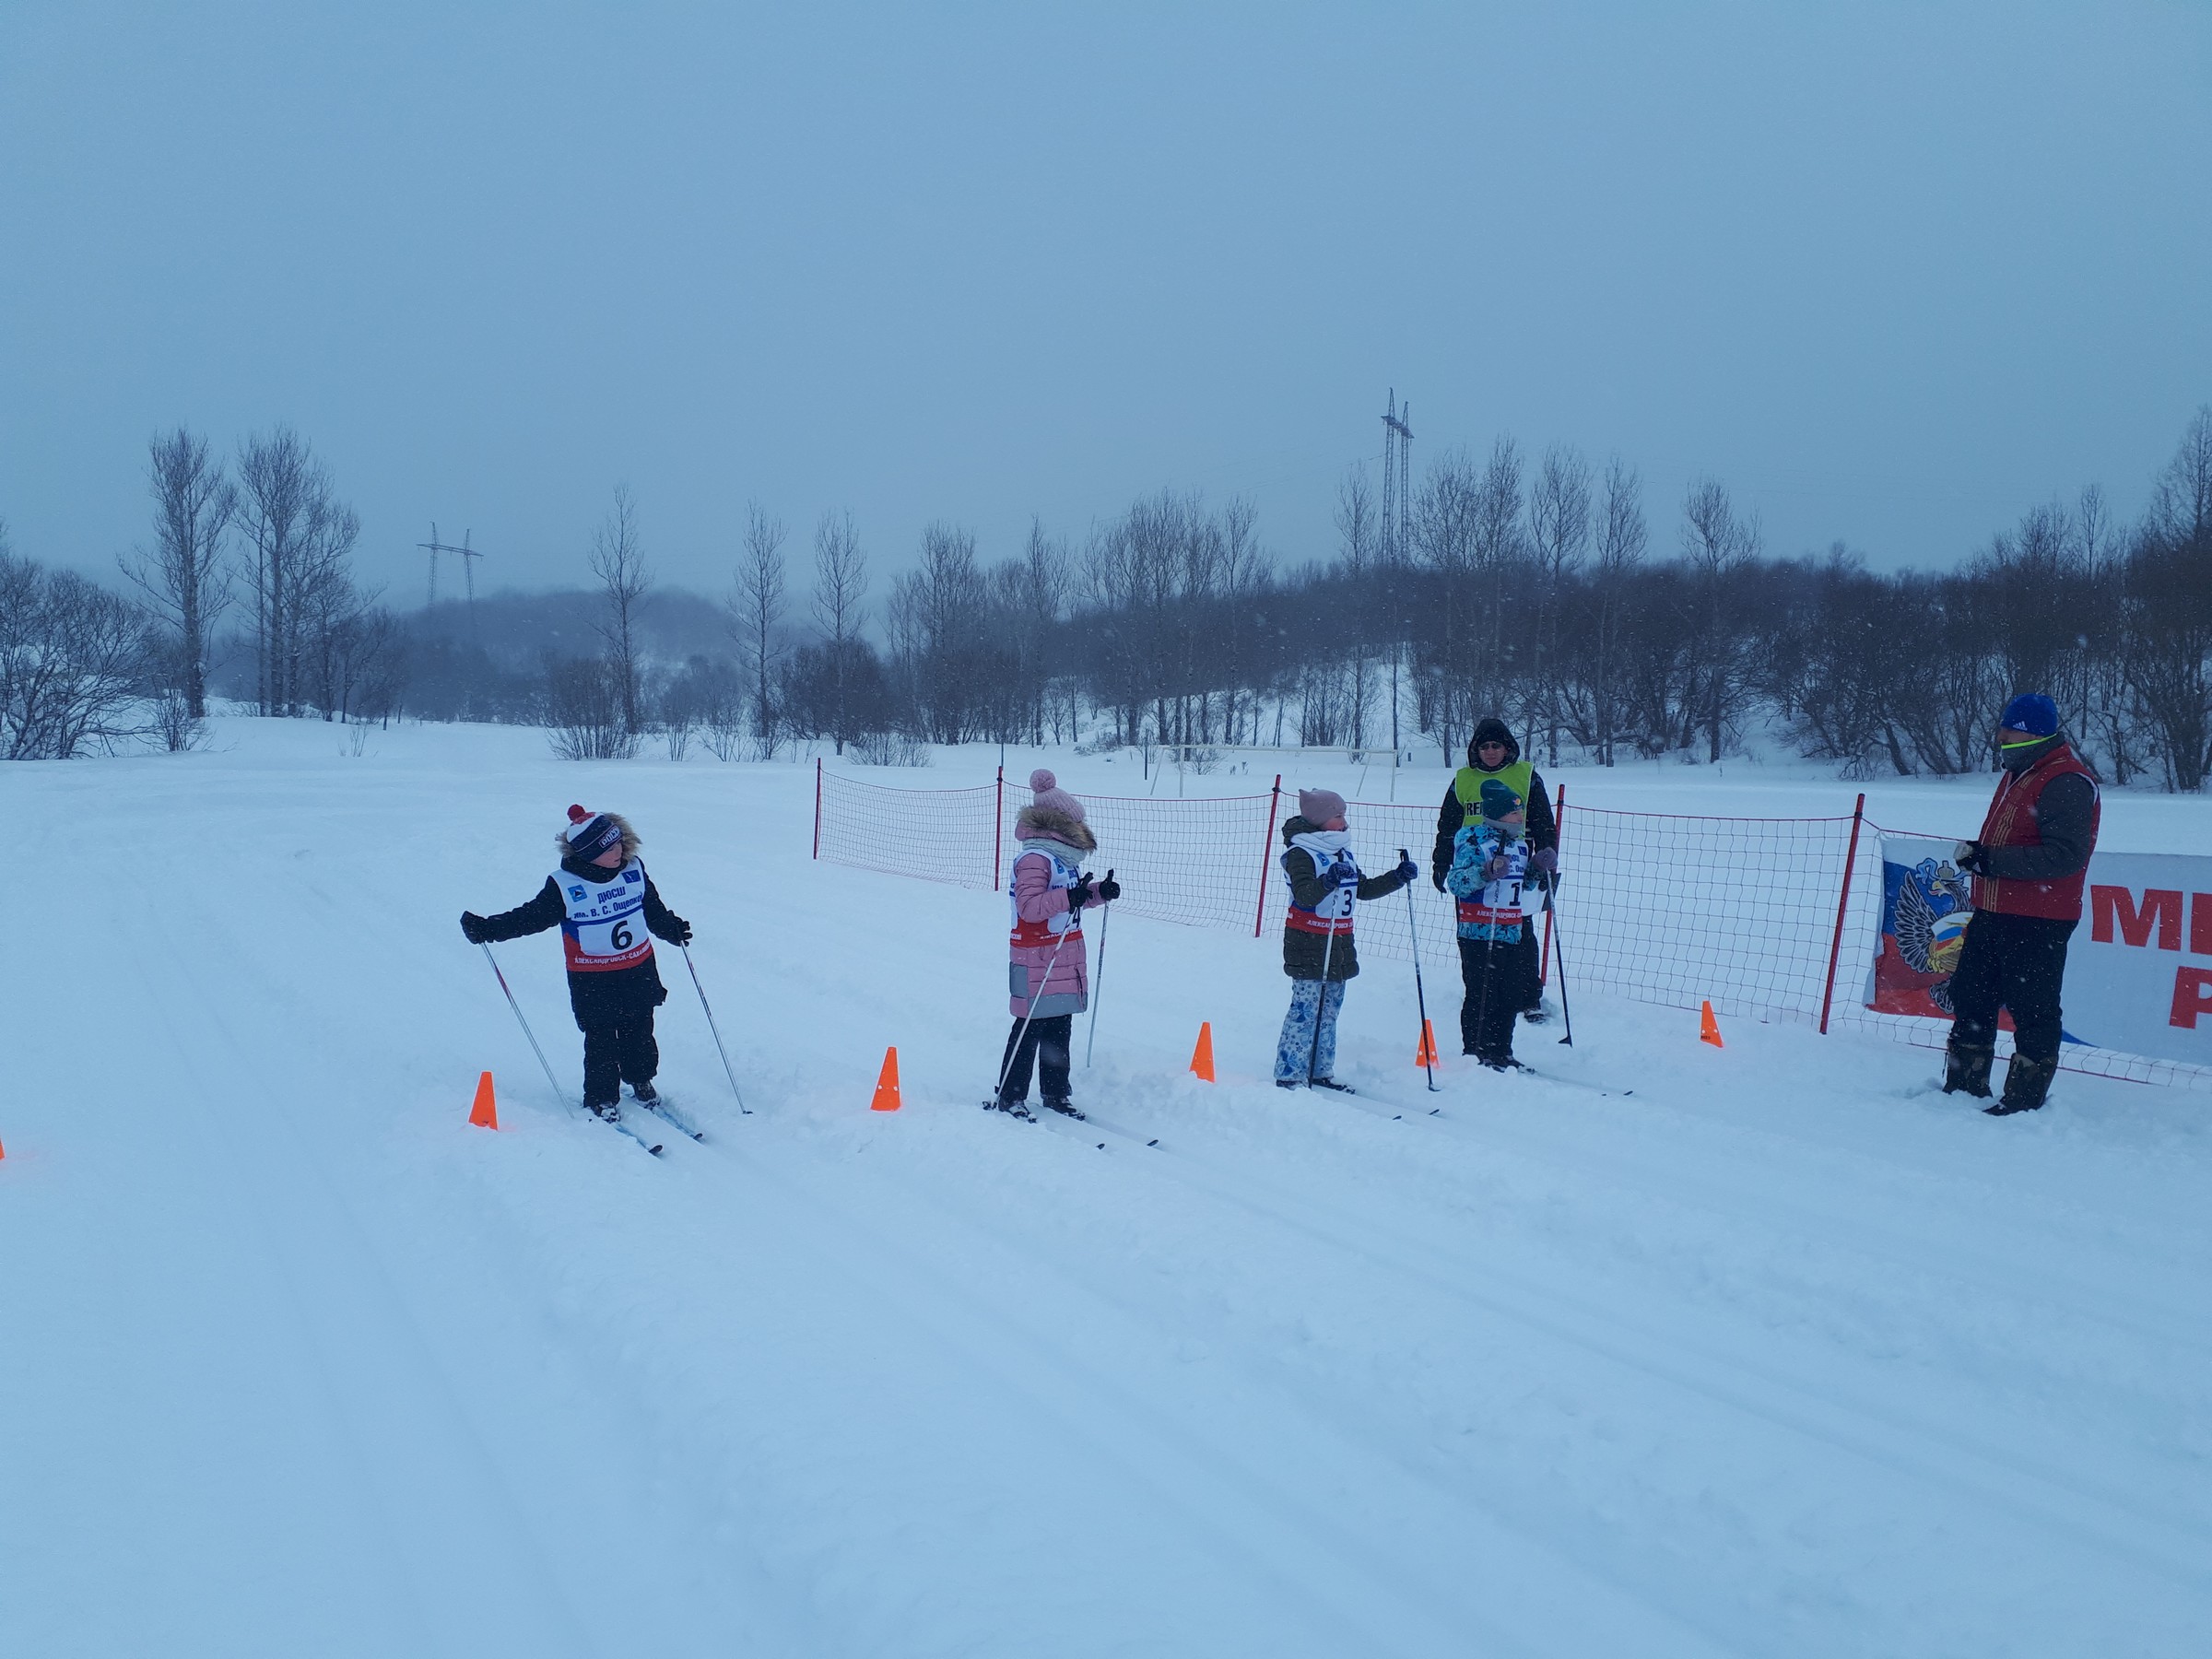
(1558, 833)
(998, 822)
(818, 805)
(1835, 948)
(1259, 919)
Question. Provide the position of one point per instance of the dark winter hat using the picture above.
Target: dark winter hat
(1499, 799)
(1319, 805)
(2032, 712)
(591, 834)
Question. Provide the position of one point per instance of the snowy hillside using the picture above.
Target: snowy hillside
(1782, 1353)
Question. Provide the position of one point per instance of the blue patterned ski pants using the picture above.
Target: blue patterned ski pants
(1294, 1051)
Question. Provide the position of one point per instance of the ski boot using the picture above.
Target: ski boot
(1331, 1084)
(2027, 1086)
(1285, 1082)
(644, 1093)
(1016, 1109)
(1063, 1105)
(1966, 1068)
(607, 1112)
(1537, 1014)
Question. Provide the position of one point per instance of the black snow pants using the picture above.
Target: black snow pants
(1500, 979)
(1046, 1043)
(2016, 963)
(614, 1011)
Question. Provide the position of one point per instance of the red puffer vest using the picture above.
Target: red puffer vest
(2012, 823)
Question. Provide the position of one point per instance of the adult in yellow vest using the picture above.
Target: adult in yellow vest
(1492, 753)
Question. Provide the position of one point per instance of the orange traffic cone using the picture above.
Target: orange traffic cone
(887, 1084)
(485, 1113)
(1202, 1057)
(1424, 1055)
(1709, 1029)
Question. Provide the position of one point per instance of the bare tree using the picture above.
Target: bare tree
(1559, 534)
(1717, 546)
(183, 579)
(840, 589)
(617, 560)
(756, 607)
(301, 537)
(71, 654)
(1622, 539)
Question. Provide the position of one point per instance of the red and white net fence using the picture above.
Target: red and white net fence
(1771, 919)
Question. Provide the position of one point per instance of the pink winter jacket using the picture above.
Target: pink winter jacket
(1067, 988)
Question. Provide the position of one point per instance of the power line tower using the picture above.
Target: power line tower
(468, 557)
(1397, 477)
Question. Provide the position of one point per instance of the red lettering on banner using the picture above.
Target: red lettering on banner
(2192, 996)
(2200, 923)
(2161, 905)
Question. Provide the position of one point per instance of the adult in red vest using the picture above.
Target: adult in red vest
(2027, 869)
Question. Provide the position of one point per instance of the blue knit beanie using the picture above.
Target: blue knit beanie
(1499, 799)
(2033, 712)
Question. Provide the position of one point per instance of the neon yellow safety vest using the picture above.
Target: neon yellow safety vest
(1519, 777)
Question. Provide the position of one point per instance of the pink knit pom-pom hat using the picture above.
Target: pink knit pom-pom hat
(1050, 798)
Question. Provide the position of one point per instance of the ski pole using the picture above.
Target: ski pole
(1558, 940)
(523, 1023)
(1420, 997)
(716, 1029)
(1097, 989)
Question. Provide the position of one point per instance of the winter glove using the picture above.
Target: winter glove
(1546, 859)
(1407, 871)
(1110, 889)
(1968, 857)
(1495, 866)
(472, 928)
(1439, 878)
(679, 931)
(1078, 896)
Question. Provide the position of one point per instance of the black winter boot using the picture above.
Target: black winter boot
(2027, 1086)
(1063, 1105)
(645, 1093)
(605, 1111)
(1966, 1067)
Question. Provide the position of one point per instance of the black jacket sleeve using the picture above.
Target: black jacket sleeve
(1542, 827)
(2063, 813)
(660, 921)
(543, 911)
(1449, 816)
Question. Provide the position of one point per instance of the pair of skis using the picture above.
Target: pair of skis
(660, 1110)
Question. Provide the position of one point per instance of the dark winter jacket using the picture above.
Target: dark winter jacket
(2066, 817)
(607, 992)
(1304, 952)
(1542, 828)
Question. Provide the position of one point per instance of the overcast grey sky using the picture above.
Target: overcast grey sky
(1893, 273)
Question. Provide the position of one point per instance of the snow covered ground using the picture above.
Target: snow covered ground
(1782, 1354)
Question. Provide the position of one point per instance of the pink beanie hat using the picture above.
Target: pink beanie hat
(1052, 797)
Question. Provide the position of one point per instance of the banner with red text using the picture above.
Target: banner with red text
(2138, 971)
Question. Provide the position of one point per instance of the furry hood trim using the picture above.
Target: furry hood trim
(1044, 823)
(629, 838)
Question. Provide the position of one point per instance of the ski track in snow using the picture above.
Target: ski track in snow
(1782, 1354)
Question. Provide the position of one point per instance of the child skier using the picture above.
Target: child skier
(1047, 976)
(1491, 861)
(597, 898)
(1318, 953)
